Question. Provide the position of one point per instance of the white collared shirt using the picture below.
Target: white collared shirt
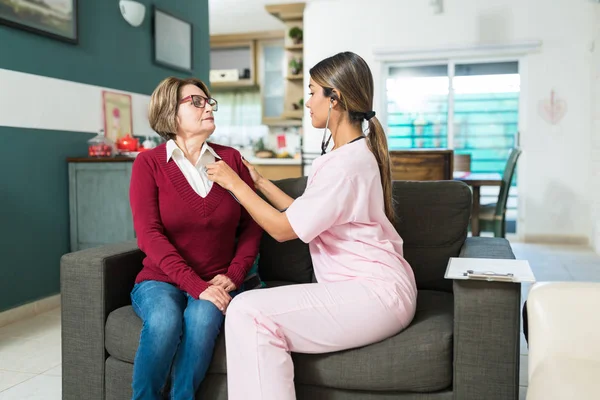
(194, 174)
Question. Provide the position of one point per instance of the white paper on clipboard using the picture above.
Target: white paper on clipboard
(489, 269)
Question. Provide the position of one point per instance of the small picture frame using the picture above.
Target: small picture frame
(172, 41)
(116, 110)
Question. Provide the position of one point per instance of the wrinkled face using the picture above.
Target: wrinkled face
(193, 120)
(318, 105)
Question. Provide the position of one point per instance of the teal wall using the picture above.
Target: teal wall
(34, 210)
(34, 207)
(111, 52)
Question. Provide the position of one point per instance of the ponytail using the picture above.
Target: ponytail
(377, 142)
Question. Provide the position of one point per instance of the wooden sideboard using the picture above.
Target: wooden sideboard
(422, 165)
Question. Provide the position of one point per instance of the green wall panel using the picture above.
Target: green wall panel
(110, 52)
(34, 233)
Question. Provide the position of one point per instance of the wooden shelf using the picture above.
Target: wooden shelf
(287, 12)
(295, 47)
(293, 114)
(240, 84)
(227, 39)
(292, 15)
(282, 122)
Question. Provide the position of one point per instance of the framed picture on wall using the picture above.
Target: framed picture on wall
(116, 109)
(173, 41)
(56, 19)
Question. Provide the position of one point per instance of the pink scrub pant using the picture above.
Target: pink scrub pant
(263, 326)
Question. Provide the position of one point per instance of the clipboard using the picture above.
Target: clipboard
(489, 269)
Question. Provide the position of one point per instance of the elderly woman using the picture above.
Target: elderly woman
(198, 241)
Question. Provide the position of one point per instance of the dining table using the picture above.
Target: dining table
(476, 180)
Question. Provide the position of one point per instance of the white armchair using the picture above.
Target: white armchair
(564, 341)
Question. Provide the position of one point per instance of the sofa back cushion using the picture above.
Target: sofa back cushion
(432, 219)
(288, 261)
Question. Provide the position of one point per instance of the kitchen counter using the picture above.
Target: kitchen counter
(270, 168)
(253, 160)
(274, 161)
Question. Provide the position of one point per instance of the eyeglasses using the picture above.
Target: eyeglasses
(200, 101)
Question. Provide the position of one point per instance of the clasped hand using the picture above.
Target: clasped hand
(218, 293)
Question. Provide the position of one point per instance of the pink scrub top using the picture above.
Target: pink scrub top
(341, 215)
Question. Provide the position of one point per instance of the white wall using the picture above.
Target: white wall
(554, 171)
(39, 102)
(235, 16)
(595, 175)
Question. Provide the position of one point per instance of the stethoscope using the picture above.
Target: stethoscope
(324, 143)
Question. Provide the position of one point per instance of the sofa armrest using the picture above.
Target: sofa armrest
(486, 329)
(486, 247)
(93, 283)
(564, 351)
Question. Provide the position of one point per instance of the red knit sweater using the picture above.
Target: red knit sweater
(188, 239)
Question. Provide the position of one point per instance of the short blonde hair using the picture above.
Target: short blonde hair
(164, 103)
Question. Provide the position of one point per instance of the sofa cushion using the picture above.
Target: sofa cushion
(122, 334)
(287, 261)
(419, 359)
(432, 219)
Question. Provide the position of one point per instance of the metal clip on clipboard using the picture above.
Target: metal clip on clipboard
(489, 276)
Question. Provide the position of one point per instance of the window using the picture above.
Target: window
(239, 119)
(472, 108)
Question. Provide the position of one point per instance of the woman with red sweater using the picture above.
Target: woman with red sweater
(198, 241)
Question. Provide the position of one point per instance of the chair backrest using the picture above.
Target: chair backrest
(421, 164)
(433, 219)
(509, 171)
(462, 162)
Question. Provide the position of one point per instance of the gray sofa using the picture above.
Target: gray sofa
(462, 344)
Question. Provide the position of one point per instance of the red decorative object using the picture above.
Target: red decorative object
(100, 146)
(128, 143)
(100, 150)
(280, 141)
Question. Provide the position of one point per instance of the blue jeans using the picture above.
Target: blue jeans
(178, 336)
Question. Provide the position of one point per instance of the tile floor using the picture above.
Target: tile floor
(30, 356)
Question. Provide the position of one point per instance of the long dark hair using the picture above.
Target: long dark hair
(350, 75)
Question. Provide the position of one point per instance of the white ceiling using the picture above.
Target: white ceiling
(239, 16)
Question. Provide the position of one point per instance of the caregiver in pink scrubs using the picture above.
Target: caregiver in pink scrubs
(366, 290)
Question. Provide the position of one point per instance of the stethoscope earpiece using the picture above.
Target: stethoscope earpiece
(323, 143)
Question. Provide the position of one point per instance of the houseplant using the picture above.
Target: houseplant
(298, 105)
(296, 66)
(261, 151)
(296, 35)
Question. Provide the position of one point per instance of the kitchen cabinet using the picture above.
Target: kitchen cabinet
(271, 67)
(232, 63)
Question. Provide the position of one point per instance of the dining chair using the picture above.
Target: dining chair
(492, 217)
(462, 162)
